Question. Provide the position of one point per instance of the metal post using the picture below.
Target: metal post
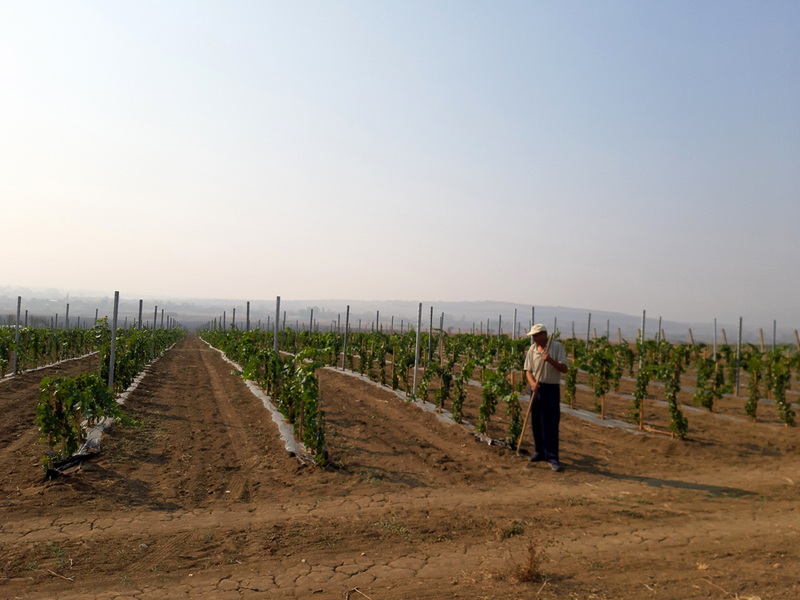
(247, 326)
(392, 326)
(377, 320)
(641, 353)
(26, 318)
(774, 333)
(416, 351)
(162, 319)
(56, 325)
(514, 334)
(224, 320)
(430, 343)
(715, 340)
(153, 341)
(658, 332)
(277, 322)
(441, 334)
(113, 342)
(139, 322)
(16, 337)
(346, 332)
(311, 321)
(66, 318)
(233, 319)
(499, 325)
(608, 330)
(338, 323)
(738, 356)
(96, 311)
(284, 321)
(588, 330)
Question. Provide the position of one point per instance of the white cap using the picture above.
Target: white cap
(538, 328)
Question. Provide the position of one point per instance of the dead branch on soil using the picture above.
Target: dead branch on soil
(304, 459)
(727, 593)
(650, 429)
(347, 594)
(57, 575)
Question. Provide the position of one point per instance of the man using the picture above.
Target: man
(546, 402)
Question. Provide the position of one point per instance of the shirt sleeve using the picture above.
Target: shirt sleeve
(560, 354)
(529, 360)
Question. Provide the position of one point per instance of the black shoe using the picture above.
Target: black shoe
(536, 458)
(555, 465)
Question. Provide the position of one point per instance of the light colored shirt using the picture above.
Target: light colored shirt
(534, 358)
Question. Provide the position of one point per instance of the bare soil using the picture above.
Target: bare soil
(18, 396)
(202, 500)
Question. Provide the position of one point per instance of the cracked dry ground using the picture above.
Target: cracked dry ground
(203, 501)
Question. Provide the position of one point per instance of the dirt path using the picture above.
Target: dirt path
(202, 501)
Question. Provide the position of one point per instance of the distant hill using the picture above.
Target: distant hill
(193, 312)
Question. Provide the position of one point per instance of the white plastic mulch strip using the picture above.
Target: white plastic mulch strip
(445, 416)
(284, 427)
(687, 407)
(95, 433)
(11, 376)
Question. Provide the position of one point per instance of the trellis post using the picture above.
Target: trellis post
(153, 341)
(16, 337)
(416, 351)
(588, 330)
(113, 342)
(346, 332)
(738, 356)
(277, 321)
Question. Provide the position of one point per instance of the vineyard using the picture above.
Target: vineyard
(293, 462)
(448, 366)
(42, 346)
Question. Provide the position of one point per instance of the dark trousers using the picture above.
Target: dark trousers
(545, 417)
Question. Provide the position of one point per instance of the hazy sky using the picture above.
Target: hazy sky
(606, 155)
